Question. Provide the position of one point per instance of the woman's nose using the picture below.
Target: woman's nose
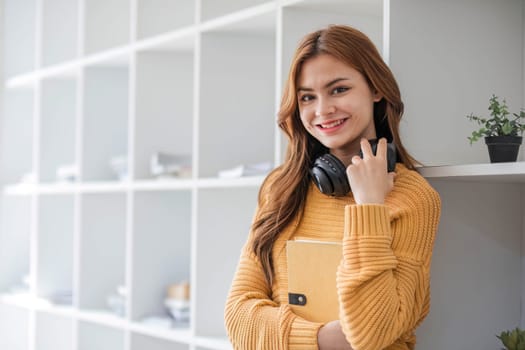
(324, 107)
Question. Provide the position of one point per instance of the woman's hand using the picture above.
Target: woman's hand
(368, 176)
(331, 337)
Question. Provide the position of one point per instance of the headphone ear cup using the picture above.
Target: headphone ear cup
(329, 174)
(321, 179)
(391, 157)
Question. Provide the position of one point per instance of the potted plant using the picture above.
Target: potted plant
(513, 340)
(502, 131)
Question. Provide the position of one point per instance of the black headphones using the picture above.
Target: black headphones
(329, 173)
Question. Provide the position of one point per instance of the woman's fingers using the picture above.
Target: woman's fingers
(356, 160)
(382, 149)
(368, 176)
(366, 149)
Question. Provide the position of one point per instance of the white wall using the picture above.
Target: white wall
(523, 256)
(475, 267)
(449, 57)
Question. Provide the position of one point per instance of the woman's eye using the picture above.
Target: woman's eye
(339, 90)
(306, 98)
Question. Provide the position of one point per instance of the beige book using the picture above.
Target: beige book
(312, 267)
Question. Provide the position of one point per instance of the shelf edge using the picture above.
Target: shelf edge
(474, 170)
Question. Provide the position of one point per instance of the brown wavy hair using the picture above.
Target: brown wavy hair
(283, 193)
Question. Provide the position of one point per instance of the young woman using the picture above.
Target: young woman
(339, 95)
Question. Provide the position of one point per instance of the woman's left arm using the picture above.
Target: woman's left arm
(384, 279)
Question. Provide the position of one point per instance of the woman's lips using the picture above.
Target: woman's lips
(331, 126)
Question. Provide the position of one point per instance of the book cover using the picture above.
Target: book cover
(312, 268)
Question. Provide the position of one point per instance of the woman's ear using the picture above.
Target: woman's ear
(377, 96)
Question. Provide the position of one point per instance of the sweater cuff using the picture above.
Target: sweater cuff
(303, 334)
(367, 220)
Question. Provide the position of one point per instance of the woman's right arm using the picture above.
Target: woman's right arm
(255, 321)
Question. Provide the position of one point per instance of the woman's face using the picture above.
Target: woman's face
(336, 104)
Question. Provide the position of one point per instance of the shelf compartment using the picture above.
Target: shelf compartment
(17, 135)
(54, 332)
(103, 17)
(14, 327)
(103, 248)
(105, 121)
(93, 336)
(59, 31)
(237, 99)
(55, 248)
(161, 16)
(15, 244)
(164, 108)
(19, 18)
(161, 249)
(224, 218)
(212, 9)
(141, 342)
(57, 132)
(421, 25)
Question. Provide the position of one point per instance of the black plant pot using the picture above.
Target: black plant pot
(503, 148)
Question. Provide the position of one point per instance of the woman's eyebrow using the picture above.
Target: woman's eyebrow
(327, 85)
(335, 81)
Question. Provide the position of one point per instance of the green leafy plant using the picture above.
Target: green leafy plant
(513, 340)
(500, 123)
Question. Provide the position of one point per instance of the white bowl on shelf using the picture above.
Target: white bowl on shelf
(179, 309)
(117, 304)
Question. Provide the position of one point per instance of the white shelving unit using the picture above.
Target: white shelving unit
(486, 172)
(85, 81)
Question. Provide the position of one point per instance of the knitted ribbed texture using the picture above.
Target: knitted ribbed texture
(383, 281)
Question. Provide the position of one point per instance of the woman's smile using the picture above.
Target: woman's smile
(331, 126)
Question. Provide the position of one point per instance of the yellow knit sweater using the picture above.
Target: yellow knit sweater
(383, 280)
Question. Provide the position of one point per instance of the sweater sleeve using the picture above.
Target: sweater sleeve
(254, 321)
(384, 278)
